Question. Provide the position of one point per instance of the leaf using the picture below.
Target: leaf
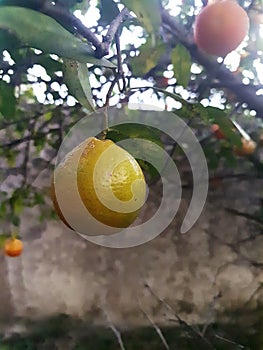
(8, 41)
(18, 206)
(225, 124)
(3, 238)
(7, 100)
(138, 131)
(44, 33)
(208, 114)
(148, 58)
(108, 11)
(76, 77)
(181, 60)
(212, 157)
(148, 13)
(228, 155)
(68, 3)
(49, 63)
(82, 5)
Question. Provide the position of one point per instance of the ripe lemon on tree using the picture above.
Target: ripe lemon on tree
(220, 27)
(98, 188)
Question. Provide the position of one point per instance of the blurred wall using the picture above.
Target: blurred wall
(214, 268)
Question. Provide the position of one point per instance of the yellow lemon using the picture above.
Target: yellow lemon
(99, 188)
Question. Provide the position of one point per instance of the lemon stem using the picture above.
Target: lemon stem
(14, 235)
(106, 123)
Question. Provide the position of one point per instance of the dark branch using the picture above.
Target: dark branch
(70, 22)
(61, 14)
(103, 50)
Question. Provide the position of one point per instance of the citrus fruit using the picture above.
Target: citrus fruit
(98, 188)
(13, 247)
(215, 129)
(220, 27)
(248, 147)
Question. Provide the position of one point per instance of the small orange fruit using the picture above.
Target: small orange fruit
(13, 247)
(221, 27)
(248, 147)
(99, 188)
(162, 82)
(215, 129)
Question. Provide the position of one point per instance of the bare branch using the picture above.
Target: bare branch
(229, 341)
(114, 329)
(157, 329)
(70, 22)
(103, 49)
(248, 216)
(181, 322)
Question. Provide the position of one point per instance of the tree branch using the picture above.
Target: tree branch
(103, 50)
(245, 93)
(157, 329)
(114, 329)
(181, 322)
(70, 22)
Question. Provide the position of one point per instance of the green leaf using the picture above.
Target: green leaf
(147, 58)
(44, 33)
(8, 41)
(181, 60)
(7, 100)
(83, 6)
(148, 13)
(68, 3)
(18, 206)
(220, 117)
(15, 220)
(228, 155)
(76, 77)
(49, 63)
(108, 11)
(3, 238)
(212, 157)
(132, 131)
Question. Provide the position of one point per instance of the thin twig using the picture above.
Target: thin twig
(180, 320)
(157, 329)
(114, 329)
(229, 341)
(104, 47)
(108, 96)
(119, 64)
(248, 216)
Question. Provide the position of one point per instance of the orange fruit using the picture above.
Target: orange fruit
(13, 247)
(99, 188)
(217, 132)
(248, 147)
(162, 82)
(221, 27)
